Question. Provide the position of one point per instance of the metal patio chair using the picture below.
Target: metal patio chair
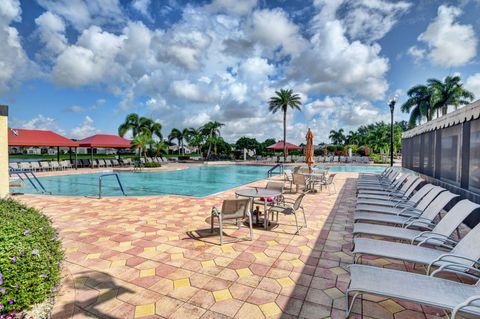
(232, 209)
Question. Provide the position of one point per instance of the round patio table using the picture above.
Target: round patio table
(258, 193)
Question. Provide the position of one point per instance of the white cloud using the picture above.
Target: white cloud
(417, 53)
(473, 85)
(39, 122)
(371, 19)
(449, 43)
(76, 109)
(233, 6)
(15, 66)
(142, 6)
(51, 31)
(10, 10)
(85, 129)
(334, 65)
(273, 29)
(83, 13)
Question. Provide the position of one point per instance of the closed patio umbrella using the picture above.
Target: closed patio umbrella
(309, 150)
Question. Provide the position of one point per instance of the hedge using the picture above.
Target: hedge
(30, 257)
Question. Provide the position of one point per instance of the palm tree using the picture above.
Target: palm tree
(159, 148)
(141, 142)
(178, 135)
(418, 104)
(194, 137)
(211, 131)
(353, 137)
(337, 137)
(138, 125)
(282, 101)
(448, 92)
(132, 122)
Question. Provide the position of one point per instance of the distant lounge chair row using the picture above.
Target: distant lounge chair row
(38, 166)
(401, 207)
(318, 159)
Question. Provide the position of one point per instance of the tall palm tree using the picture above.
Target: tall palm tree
(283, 100)
(194, 137)
(449, 92)
(211, 131)
(337, 137)
(419, 104)
(141, 142)
(159, 148)
(139, 124)
(178, 135)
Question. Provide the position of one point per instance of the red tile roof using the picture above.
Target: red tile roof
(105, 140)
(23, 137)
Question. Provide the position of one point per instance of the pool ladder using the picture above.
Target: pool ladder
(100, 178)
(31, 177)
(272, 171)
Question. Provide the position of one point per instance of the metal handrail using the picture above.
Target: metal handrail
(270, 172)
(25, 173)
(100, 183)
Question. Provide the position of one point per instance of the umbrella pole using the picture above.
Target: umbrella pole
(58, 153)
(91, 157)
(76, 158)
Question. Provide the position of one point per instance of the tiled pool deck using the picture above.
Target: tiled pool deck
(134, 257)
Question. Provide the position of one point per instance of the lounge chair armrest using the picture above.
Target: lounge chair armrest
(452, 259)
(215, 211)
(419, 222)
(409, 211)
(467, 303)
(459, 269)
(428, 236)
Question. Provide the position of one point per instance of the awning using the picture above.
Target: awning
(279, 146)
(105, 141)
(23, 137)
(464, 114)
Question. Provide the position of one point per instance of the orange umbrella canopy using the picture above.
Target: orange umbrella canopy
(309, 148)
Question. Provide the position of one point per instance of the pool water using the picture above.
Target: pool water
(196, 181)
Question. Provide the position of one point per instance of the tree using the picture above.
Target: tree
(141, 142)
(247, 143)
(353, 137)
(283, 100)
(178, 135)
(138, 124)
(159, 148)
(448, 92)
(194, 137)
(418, 104)
(211, 131)
(337, 137)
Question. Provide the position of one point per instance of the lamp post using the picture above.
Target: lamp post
(391, 104)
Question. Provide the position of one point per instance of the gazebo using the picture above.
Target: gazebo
(280, 145)
(26, 138)
(104, 141)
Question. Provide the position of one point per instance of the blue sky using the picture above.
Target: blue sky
(79, 67)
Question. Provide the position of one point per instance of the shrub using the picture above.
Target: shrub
(152, 164)
(30, 257)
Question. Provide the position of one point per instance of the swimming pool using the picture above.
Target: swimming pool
(195, 181)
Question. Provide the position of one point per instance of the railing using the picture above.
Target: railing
(100, 178)
(34, 181)
(272, 171)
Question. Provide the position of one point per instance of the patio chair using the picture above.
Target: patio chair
(299, 180)
(44, 165)
(35, 166)
(328, 183)
(13, 166)
(232, 209)
(115, 163)
(411, 217)
(108, 163)
(289, 207)
(439, 235)
(426, 290)
(54, 165)
(392, 181)
(465, 253)
(24, 166)
(418, 202)
(276, 186)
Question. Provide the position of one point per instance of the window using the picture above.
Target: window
(451, 149)
(474, 174)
